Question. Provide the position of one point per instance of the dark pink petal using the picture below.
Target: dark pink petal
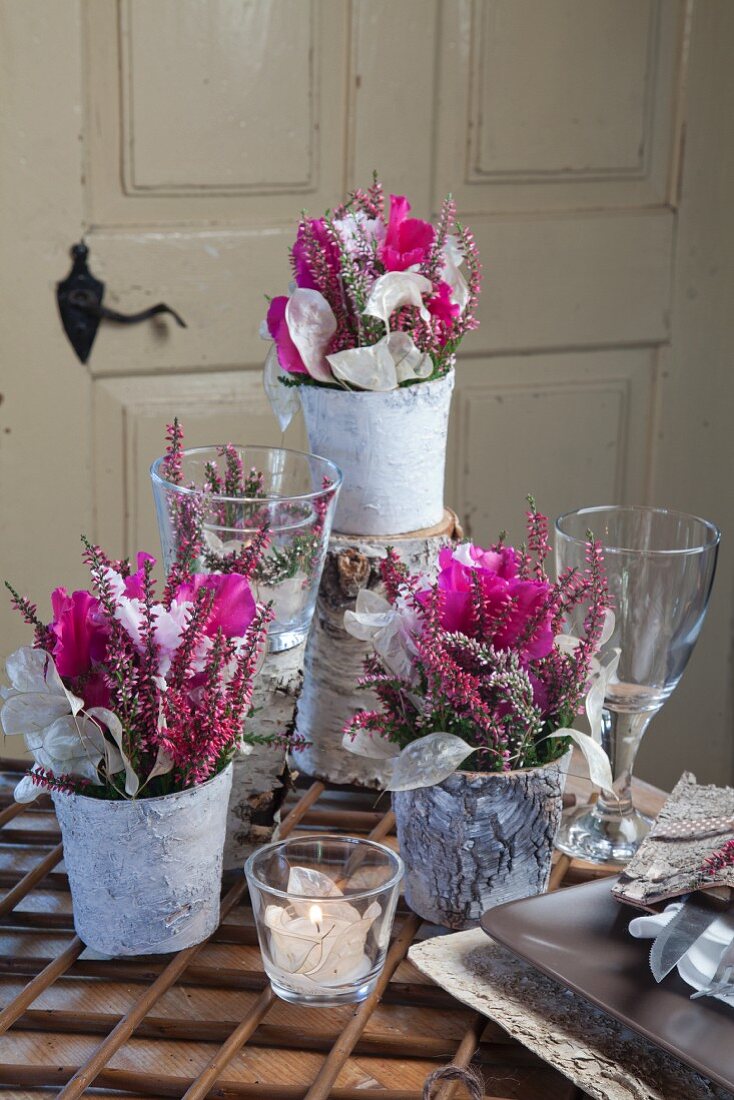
(304, 273)
(134, 583)
(407, 240)
(81, 635)
(234, 604)
(288, 354)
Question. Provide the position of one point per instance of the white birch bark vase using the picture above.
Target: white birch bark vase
(479, 839)
(391, 448)
(259, 771)
(334, 659)
(145, 874)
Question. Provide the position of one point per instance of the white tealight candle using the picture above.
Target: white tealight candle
(319, 945)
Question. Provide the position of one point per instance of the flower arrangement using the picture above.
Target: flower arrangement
(476, 662)
(378, 298)
(124, 695)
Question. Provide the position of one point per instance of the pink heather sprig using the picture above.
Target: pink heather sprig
(66, 784)
(537, 538)
(370, 202)
(720, 860)
(187, 518)
(468, 320)
(233, 476)
(433, 264)
(121, 666)
(172, 465)
(44, 637)
(148, 691)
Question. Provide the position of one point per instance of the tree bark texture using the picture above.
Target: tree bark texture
(695, 821)
(259, 772)
(477, 840)
(334, 659)
(602, 1056)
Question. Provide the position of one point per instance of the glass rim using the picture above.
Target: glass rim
(711, 528)
(186, 490)
(358, 895)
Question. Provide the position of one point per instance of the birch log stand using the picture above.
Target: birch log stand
(333, 660)
(259, 771)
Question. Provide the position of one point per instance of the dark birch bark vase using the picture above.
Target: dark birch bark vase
(479, 839)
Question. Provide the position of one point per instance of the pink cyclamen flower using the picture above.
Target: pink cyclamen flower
(510, 601)
(234, 605)
(134, 583)
(407, 240)
(305, 275)
(441, 306)
(81, 636)
(288, 355)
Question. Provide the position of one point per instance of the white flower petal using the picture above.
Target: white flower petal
(32, 712)
(113, 724)
(410, 362)
(32, 669)
(452, 258)
(285, 401)
(372, 745)
(163, 764)
(26, 790)
(428, 761)
(368, 368)
(311, 324)
(396, 289)
(600, 771)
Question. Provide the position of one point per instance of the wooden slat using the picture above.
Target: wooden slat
(155, 1085)
(343, 1047)
(42, 981)
(28, 881)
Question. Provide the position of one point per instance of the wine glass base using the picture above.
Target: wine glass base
(610, 839)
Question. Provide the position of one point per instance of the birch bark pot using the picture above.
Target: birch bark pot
(391, 449)
(479, 839)
(334, 659)
(259, 772)
(145, 874)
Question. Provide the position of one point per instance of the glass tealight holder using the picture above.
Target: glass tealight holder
(324, 909)
(291, 492)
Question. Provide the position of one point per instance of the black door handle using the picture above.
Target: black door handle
(79, 298)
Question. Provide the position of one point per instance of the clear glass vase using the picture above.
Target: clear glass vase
(291, 492)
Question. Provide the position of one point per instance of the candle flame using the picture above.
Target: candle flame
(315, 914)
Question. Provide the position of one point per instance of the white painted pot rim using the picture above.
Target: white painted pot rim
(110, 803)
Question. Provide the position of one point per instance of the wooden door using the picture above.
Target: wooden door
(183, 137)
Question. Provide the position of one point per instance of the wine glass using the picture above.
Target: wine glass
(660, 568)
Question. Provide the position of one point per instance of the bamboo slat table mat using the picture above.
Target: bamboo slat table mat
(203, 1022)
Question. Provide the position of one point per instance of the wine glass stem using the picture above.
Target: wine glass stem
(621, 734)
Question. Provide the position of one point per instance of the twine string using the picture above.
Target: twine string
(468, 1077)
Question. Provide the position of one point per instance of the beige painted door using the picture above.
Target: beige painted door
(182, 137)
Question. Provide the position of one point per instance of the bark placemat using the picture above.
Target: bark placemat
(695, 821)
(602, 1056)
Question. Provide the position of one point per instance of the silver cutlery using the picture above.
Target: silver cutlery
(673, 941)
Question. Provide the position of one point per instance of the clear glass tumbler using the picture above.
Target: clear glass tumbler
(292, 492)
(324, 909)
(660, 567)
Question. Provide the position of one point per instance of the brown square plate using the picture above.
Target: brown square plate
(579, 937)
